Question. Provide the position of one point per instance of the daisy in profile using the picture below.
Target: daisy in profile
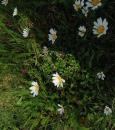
(57, 80)
(60, 109)
(15, 12)
(82, 31)
(25, 32)
(4, 2)
(52, 35)
(34, 88)
(107, 111)
(78, 5)
(85, 11)
(93, 4)
(101, 75)
(100, 27)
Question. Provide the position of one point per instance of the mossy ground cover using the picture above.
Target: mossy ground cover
(78, 60)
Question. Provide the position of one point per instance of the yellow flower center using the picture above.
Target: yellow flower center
(59, 78)
(95, 2)
(36, 88)
(54, 36)
(78, 7)
(100, 29)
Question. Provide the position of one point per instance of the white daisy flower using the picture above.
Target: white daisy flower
(34, 88)
(101, 75)
(4, 2)
(100, 27)
(60, 109)
(78, 4)
(52, 35)
(107, 111)
(15, 12)
(25, 32)
(57, 80)
(93, 4)
(82, 31)
(85, 11)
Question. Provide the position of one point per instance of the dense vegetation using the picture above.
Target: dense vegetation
(76, 59)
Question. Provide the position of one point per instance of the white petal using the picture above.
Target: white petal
(95, 32)
(15, 11)
(99, 20)
(96, 24)
(4, 2)
(31, 88)
(34, 83)
(100, 35)
(59, 105)
(105, 23)
(95, 27)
